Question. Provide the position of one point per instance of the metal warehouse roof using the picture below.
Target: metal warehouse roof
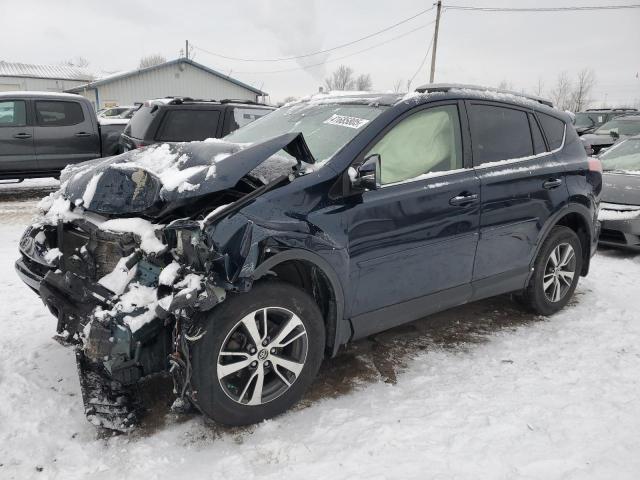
(119, 76)
(60, 72)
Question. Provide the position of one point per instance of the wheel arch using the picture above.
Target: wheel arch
(576, 217)
(317, 277)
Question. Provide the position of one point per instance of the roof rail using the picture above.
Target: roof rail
(616, 109)
(445, 87)
(236, 100)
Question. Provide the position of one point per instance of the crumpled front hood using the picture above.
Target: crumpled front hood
(159, 175)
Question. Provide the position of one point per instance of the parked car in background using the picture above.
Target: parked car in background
(43, 132)
(117, 112)
(592, 118)
(620, 207)
(611, 132)
(238, 265)
(185, 120)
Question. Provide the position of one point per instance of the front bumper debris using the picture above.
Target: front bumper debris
(107, 403)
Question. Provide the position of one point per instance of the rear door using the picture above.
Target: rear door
(17, 153)
(522, 184)
(189, 123)
(65, 132)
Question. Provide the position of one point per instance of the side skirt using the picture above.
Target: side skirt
(388, 317)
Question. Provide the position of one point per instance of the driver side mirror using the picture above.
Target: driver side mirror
(614, 134)
(367, 175)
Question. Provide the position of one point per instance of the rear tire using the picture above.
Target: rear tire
(266, 367)
(556, 272)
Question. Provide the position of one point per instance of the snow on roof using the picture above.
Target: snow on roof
(61, 72)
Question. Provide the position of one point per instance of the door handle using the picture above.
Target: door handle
(83, 134)
(22, 135)
(552, 183)
(464, 199)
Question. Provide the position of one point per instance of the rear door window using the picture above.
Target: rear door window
(55, 113)
(553, 130)
(498, 133)
(188, 125)
(13, 113)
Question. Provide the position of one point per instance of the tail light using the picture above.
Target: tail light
(595, 165)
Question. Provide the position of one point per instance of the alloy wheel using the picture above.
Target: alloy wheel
(262, 356)
(559, 272)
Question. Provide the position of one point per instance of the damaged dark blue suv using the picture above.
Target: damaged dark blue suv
(239, 264)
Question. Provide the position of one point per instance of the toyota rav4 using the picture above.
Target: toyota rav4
(238, 264)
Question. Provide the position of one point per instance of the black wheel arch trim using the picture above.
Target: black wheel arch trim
(553, 220)
(343, 330)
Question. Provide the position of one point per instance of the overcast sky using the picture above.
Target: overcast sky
(474, 47)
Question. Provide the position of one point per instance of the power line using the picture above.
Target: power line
(386, 29)
(424, 60)
(397, 37)
(541, 9)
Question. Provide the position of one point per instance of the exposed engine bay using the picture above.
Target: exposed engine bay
(130, 250)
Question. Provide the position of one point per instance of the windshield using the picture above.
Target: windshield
(326, 127)
(588, 119)
(620, 126)
(625, 156)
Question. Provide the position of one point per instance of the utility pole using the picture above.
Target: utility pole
(186, 49)
(435, 42)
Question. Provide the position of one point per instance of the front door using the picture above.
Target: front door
(17, 153)
(65, 133)
(415, 235)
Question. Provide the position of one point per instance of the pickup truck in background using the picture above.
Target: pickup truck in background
(43, 132)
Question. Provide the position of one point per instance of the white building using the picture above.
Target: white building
(43, 78)
(178, 78)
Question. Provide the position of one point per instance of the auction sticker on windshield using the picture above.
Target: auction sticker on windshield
(344, 121)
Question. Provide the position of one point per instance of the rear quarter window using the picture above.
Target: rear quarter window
(55, 113)
(140, 122)
(553, 130)
(188, 125)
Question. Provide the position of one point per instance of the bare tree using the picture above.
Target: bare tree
(340, 79)
(581, 94)
(363, 82)
(561, 93)
(79, 62)
(397, 86)
(151, 60)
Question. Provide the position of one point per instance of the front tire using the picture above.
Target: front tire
(261, 351)
(556, 272)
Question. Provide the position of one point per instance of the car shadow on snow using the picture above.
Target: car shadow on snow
(380, 357)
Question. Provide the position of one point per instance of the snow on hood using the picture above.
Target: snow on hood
(161, 174)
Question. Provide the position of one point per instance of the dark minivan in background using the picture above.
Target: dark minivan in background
(43, 132)
(178, 119)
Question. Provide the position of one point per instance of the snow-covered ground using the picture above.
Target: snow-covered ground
(479, 392)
